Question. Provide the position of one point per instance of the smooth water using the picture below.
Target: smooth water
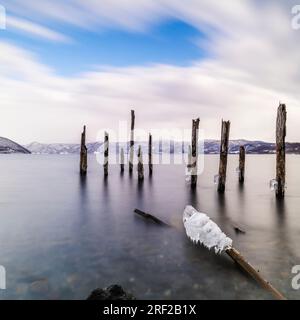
(61, 236)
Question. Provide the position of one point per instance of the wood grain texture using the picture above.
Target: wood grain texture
(239, 259)
(280, 150)
(150, 154)
(106, 152)
(242, 164)
(131, 143)
(83, 153)
(194, 155)
(140, 166)
(223, 155)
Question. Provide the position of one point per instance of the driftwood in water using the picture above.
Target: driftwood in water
(150, 217)
(106, 144)
(280, 150)
(83, 153)
(235, 256)
(194, 158)
(150, 154)
(238, 229)
(242, 164)
(140, 166)
(122, 161)
(131, 144)
(223, 155)
(240, 260)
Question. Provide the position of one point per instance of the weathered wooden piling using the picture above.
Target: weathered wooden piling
(106, 150)
(140, 167)
(122, 161)
(150, 154)
(242, 164)
(83, 153)
(131, 144)
(280, 150)
(223, 155)
(189, 158)
(194, 158)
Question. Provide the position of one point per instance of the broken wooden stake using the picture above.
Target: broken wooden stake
(280, 150)
(242, 164)
(122, 161)
(223, 155)
(150, 217)
(140, 167)
(106, 144)
(150, 154)
(83, 153)
(131, 144)
(194, 158)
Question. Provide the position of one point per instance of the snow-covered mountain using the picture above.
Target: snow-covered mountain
(60, 148)
(9, 146)
(210, 147)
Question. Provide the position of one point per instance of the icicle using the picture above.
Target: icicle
(273, 184)
(216, 179)
(200, 229)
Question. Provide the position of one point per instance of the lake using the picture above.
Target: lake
(61, 236)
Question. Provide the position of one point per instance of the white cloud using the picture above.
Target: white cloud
(254, 63)
(34, 29)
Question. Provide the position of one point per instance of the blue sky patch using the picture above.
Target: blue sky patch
(172, 42)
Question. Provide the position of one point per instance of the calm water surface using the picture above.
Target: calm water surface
(62, 236)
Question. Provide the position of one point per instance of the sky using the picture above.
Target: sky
(66, 63)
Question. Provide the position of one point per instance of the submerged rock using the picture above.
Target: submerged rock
(114, 292)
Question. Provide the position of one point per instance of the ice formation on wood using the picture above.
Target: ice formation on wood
(200, 229)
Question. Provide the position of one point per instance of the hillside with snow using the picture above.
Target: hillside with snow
(210, 147)
(8, 146)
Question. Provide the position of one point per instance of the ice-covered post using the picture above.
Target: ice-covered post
(280, 150)
(150, 154)
(106, 144)
(122, 160)
(140, 167)
(223, 155)
(131, 144)
(194, 157)
(83, 153)
(242, 164)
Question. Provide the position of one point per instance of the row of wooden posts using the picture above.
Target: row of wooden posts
(193, 154)
(140, 166)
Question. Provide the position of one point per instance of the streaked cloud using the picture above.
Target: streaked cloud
(253, 63)
(34, 29)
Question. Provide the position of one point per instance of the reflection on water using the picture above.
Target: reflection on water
(62, 234)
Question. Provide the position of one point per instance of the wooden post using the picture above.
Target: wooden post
(223, 155)
(122, 160)
(242, 164)
(140, 167)
(194, 158)
(189, 158)
(106, 144)
(131, 144)
(280, 150)
(83, 153)
(150, 154)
